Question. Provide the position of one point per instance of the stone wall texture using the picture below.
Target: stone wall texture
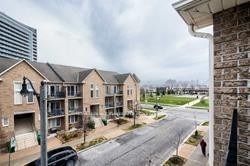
(232, 81)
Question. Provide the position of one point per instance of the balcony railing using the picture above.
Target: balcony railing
(56, 112)
(73, 94)
(119, 104)
(119, 92)
(75, 110)
(109, 105)
(59, 94)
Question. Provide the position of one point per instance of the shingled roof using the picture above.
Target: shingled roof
(6, 63)
(62, 73)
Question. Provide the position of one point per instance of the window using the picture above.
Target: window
(91, 90)
(52, 91)
(128, 90)
(96, 91)
(71, 90)
(71, 104)
(17, 95)
(72, 119)
(54, 123)
(131, 91)
(30, 98)
(107, 89)
(114, 89)
(5, 121)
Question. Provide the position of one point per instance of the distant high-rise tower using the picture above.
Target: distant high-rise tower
(17, 41)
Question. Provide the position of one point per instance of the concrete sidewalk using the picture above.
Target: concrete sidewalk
(197, 158)
(193, 153)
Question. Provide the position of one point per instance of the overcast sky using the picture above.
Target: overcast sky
(146, 37)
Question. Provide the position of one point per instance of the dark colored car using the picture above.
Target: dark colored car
(59, 157)
(157, 107)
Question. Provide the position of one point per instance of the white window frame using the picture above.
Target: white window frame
(27, 97)
(55, 123)
(73, 119)
(5, 121)
(17, 92)
(97, 95)
(92, 90)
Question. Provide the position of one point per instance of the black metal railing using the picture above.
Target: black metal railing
(59, 94)
(56, 112)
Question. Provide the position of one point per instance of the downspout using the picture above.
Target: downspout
(211, 88)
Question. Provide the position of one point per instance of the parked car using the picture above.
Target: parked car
(63, 156)
(157, 107)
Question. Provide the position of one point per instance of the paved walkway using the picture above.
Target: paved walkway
(110, 131)
(193, 153)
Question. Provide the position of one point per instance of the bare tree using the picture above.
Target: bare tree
(178, 139)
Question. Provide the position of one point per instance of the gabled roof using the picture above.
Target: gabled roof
(136, 78)
(108, 76)
(62, 73)
(200, 12)
(7, 64)
(67, 73)
(84, 74)
(121, 78)
(47, 71)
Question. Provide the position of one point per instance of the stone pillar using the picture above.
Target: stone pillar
(231, 81)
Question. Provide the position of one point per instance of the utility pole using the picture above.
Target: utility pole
(43, 123)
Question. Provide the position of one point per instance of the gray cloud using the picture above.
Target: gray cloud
(143, 36)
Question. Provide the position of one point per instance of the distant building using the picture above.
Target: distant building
(17, 41)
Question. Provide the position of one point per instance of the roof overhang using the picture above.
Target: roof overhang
(200, 12)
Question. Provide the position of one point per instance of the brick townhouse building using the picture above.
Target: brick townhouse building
(71, 90)
(229, 138)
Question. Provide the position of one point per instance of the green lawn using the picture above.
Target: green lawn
(170, 99)
(202, 103)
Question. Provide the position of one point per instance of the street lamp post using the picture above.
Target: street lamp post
(42, 101)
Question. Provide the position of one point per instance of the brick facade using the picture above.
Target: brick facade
(232, 81)
(7, 106)
(83, 95)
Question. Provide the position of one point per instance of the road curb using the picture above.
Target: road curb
(183, 142)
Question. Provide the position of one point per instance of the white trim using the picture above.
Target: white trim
(21, 62)
(23, 112)
(14, 93)
(211, 88)
(8, 122)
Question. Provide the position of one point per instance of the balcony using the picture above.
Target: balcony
(56, 95)
(119, 92)
(75, 110)
(119, 104)
(74, 94)
(56, 113)
(109, 105)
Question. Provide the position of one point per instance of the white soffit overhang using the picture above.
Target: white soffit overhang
(200, 12)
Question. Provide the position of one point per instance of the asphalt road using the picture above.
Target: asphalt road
(154, 143)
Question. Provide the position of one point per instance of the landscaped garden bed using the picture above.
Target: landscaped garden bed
(132, 127)
(64, 136)
(205, 123)
(175, 161)
(91, 143)
(147, 112)
(195, 139)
